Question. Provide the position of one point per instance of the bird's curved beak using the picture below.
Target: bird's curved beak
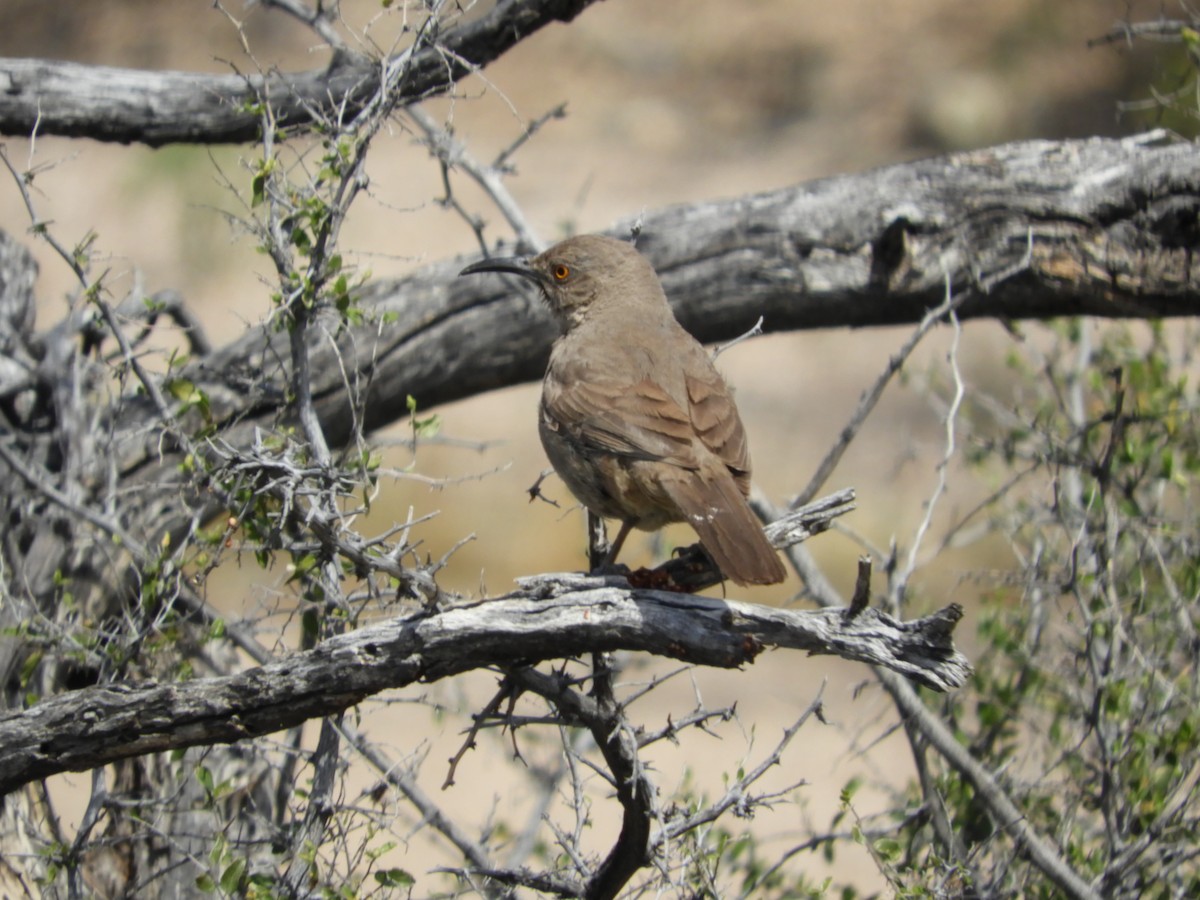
(514, 265)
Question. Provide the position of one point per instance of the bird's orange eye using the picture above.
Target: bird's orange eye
(561, 272)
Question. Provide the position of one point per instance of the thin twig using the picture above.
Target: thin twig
(453, 154)
(900, 578)
(738, 793)
(870, 399)
(754, 331)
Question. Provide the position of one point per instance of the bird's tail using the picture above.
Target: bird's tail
(729, 530)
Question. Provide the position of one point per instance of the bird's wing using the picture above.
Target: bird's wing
(715, 419)
(639, 420)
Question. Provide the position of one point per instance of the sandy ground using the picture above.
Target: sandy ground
(670, 102)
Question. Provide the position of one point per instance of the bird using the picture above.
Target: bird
(634, 417)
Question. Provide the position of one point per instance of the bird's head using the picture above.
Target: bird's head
(574, 273)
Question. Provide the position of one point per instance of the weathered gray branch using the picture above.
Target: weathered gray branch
(552, 617)
(1028, 230)
(157, 108)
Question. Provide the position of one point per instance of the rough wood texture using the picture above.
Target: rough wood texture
(157, 108)
(552, 617)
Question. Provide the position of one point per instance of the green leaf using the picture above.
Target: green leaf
(888, 848)
(204, 776)
(429, 426)
(300, 240)
(310, 623)
(258, 189)
(850, 790)
(303, 565)
(182, 389)
(231, 878)
(30, 666)
(375, 853)
(217, 853)
(395, 878)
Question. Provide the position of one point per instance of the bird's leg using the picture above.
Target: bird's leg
(597, 545)
(626, 527)
(601, 554)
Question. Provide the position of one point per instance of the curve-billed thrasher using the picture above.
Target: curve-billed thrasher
(634, 416)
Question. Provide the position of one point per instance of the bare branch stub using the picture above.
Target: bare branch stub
(862, 589)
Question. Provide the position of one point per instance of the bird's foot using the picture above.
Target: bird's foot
(607, 568)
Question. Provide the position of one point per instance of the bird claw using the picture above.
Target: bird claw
(605, 569)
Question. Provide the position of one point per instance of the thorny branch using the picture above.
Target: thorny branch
(646, 834)
(305, 295)
(900, 576)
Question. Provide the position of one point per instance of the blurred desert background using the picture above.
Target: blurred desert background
(668, 102)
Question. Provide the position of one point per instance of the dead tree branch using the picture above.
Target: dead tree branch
(158, 108)
(552, 617)
(1036, 229)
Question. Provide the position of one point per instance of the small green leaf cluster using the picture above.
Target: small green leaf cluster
(300, 214)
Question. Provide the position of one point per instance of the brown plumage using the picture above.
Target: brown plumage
(635, 418)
